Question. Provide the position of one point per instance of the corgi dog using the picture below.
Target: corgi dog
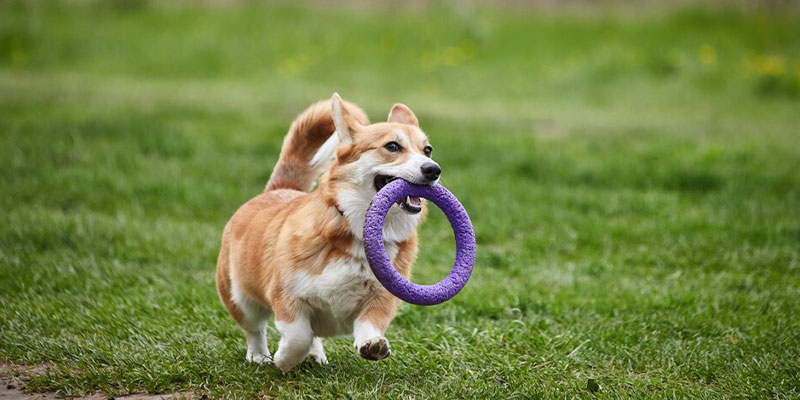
(297, 255)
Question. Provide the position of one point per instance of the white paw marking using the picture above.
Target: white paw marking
(259, 358)
(319, 358)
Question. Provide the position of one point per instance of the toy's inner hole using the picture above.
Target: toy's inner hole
(437, 248)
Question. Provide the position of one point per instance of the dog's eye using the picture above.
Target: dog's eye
(393, 146)
(428, 150)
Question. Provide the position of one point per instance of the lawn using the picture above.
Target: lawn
(634, 184)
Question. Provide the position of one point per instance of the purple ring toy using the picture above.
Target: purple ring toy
(379, 261)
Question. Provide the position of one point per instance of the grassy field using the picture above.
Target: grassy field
(634, 184)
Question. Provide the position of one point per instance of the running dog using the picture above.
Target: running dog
(297, 254)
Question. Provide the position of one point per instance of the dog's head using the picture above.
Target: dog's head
(370, 156)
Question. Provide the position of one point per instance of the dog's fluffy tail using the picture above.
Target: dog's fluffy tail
(309, 147)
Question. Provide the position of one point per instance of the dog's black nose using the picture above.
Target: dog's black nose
(431, 171)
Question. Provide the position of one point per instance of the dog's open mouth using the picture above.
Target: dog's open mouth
(411, 205)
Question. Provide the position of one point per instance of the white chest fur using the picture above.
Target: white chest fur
(334, 298)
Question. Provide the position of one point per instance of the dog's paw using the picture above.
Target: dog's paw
(259, 358)
(374, 349)
(285, 363)
(318, 358)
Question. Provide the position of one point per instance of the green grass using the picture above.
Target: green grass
(634, 184)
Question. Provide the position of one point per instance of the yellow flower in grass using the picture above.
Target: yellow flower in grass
(291, 66)
(288, 66)
(452, 56)
(766, 65)
(707, 54)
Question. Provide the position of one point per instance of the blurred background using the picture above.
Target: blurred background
(631, 169)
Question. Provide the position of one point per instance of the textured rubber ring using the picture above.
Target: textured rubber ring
(379, 261)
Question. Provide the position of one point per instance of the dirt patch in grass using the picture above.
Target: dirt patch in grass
(14, 379)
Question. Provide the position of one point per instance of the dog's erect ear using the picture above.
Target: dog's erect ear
(345, 123)
(400, 113)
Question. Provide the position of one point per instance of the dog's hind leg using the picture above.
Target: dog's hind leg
(254, 325)
(295, 344)
(256, 333)
(249, 315)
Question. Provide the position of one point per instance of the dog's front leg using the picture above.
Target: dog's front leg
(295, 343)
(369, 327)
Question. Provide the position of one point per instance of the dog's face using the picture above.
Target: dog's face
(383, 152)
(371, 156)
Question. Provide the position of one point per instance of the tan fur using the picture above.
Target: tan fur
(375, 135)
(307, 133)
(286, 230)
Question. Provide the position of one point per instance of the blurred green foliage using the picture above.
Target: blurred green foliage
(632, 181)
